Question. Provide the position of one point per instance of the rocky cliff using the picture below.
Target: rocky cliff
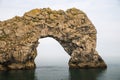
(71, 28)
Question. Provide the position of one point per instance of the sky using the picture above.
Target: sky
(104, 14)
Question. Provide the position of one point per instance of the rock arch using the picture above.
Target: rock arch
(72, 29)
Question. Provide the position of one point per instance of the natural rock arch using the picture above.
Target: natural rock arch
(72, 29)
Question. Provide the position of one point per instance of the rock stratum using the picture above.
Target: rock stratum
(71, 28)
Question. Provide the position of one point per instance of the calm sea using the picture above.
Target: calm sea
(63, 73)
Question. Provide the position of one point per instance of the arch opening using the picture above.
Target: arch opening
(51, 53)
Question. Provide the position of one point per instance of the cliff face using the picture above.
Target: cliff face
(72, 29)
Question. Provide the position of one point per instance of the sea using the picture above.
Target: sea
(63, 73)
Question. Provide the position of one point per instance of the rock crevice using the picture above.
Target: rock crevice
(71, 28)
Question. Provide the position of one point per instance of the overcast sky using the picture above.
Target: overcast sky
(104, 14)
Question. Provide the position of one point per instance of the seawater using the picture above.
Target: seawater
(63, 73)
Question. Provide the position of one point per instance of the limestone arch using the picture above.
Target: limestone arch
(71, 28)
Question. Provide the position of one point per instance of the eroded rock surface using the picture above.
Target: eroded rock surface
(72, 29)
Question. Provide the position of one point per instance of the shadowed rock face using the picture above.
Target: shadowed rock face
(72, 29)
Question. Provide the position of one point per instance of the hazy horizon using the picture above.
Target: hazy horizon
(104, 14)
